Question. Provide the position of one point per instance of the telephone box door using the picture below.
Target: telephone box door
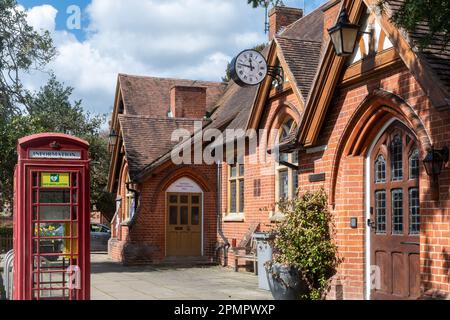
(55, 203)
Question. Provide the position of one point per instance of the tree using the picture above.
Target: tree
(51, 110)
(21, 49)
(434, 14)
(265, 3)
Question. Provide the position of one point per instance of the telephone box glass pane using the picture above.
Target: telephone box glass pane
(54, 213)
(74, 212)
(74, 180)
(54, 196)
(56, 230)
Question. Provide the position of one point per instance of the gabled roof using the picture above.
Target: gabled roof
(299, 48)
(302, 57)
(430, 68)
(150, 96)
(146, 139)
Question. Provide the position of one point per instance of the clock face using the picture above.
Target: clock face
(249, 68)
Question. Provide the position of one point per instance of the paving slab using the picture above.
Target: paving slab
(113, 281)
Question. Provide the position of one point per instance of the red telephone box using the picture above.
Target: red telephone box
(52, 219)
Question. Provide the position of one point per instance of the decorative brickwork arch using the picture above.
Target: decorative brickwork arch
(377, 108)
(284, 111)
(182, 172)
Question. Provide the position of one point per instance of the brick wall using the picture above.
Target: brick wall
(258, 209)
(350, 192)
(144, 242)
(349, 201)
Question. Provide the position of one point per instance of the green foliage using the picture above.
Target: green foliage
(303, 240)
(21, 49)
(435, 14)
(51, 110)
(265, 3)
(22, 113)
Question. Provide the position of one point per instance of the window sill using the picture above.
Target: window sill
(277, 217)
(234, 217)
(126, 223)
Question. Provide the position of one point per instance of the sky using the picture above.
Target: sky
(97, 39)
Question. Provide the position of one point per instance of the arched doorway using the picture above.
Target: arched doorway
(184, 222)
(393, 213)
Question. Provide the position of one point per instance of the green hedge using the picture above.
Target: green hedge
(6, 231)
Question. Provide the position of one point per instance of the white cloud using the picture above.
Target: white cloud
(175, 38)
(42, 17)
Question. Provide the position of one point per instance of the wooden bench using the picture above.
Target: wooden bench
(246, 249)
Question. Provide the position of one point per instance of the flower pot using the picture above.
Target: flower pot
(285, 282)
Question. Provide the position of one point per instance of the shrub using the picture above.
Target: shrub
(303, 241)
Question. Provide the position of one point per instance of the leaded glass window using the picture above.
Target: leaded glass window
(380, 170)
(414, 215)
(397, 158)
(380, 210)
(414, 165)
(397, 211)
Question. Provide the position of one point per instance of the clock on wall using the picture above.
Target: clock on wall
(249, 68)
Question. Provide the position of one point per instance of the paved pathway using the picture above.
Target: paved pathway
(112, 281)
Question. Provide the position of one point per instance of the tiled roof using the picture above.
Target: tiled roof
(303, 58)
(301, 44)
(149, 96)
(146, 139)
(310, 27)
(436, 55)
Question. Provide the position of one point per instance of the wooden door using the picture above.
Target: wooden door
(395, 219)
(184, 225)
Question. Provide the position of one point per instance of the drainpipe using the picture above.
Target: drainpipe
(226, 244)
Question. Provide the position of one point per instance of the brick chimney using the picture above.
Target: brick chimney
(281, 17)
(188, 102)
(330, 15)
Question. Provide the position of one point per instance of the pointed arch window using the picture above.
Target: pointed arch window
(414, 165)
(287, 178)
(397, 158)
(380, 169)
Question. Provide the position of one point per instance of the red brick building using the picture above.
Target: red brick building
(359, 127)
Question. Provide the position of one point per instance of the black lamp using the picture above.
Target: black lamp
(344, 35)
(434, 161)
(113, 137)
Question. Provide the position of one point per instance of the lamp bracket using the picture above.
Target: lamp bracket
(290, 165)
(277, 73)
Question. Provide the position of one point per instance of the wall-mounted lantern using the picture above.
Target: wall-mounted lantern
(344, 35)
(113, 138)
(435, 160)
